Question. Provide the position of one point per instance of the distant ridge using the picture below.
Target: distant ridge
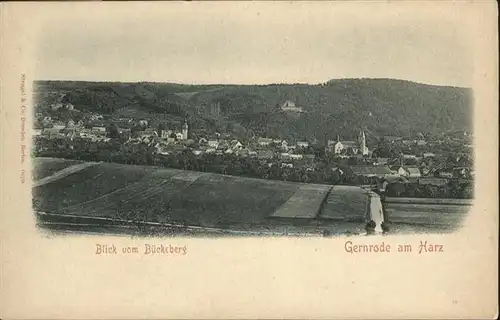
(397, 80)
(242, 84)
(336, 107)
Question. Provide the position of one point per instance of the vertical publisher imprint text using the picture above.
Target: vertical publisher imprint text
(23, 125)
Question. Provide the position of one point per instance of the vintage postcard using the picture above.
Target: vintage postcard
(237, 160)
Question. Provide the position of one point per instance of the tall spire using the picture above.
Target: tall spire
(361, 134)
(185, 130)
(362, 142)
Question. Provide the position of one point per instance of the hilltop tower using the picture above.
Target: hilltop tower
(185, 129)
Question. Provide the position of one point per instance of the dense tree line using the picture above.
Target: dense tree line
(144, 154)
(100, 100)
(452, 189)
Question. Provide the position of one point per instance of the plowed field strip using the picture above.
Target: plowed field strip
(132, 186)
(304, 203)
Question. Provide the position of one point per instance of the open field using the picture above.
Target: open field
(116, 197)
(434, 201)
(345, 203)
(445, 214)
(84, 185)
(427, 214)
(135, 193)
(304, 203)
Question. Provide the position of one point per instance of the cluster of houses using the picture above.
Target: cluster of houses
(150, 135)
(385, 174)
(269, 150)
(169, 142)
(60, 105)
(69, 130)
(93, 128)
(419, 141)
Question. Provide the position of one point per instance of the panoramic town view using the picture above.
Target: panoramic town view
(242, 126)
(240, 158)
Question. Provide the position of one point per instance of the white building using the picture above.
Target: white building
(57, 106)
(344, 145)
(236, 145)
(409, 172)
(264, 141)
(213, 143)
(290, 106)
(339, 146)
(59, 126)
(295, 156)
(284, 145)
(302, 144)
(285, 156)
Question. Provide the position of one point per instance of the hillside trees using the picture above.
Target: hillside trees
(383, 106)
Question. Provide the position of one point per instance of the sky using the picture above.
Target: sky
(254, 43)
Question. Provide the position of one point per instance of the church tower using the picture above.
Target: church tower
(185, 131)
(362, 143)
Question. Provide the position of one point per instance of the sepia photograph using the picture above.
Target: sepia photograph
(249, 160)
(189, 125)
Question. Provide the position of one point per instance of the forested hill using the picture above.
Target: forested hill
(337, 107)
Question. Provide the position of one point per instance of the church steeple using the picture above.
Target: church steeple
(362, 142)
(185, 129)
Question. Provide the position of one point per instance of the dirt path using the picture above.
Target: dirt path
(189, 95)
(63, 173)
(376, 211)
